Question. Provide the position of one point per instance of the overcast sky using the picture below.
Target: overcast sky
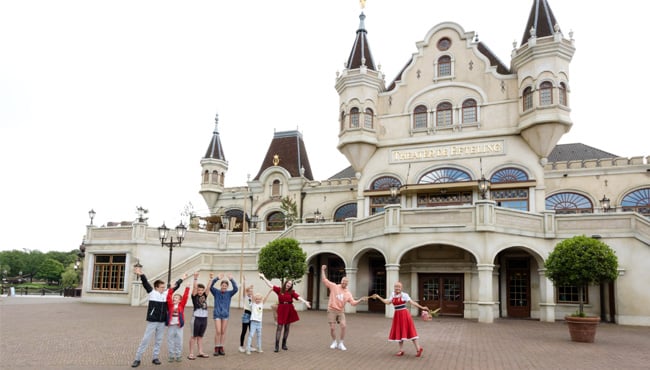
(110, 105)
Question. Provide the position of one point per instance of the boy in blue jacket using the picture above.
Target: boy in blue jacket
(156, 316)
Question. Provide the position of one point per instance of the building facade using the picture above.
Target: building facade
(456, 187)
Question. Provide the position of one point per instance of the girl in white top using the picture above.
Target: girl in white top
(257, 309)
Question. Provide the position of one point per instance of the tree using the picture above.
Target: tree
(33, 260)
(290, 210)
(70, 277)
(283, 259)
(580, 261)
(50, 270)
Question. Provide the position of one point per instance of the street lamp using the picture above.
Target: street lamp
(163, 233)
(254, 220)
(91, 214)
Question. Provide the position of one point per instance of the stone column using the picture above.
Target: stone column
(485, 293)
(392, 276)
(546, 298)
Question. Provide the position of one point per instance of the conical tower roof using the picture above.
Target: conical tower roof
(360, 54)
(215, 149)
(541, 21)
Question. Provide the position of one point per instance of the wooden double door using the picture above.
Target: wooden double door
(444, 291)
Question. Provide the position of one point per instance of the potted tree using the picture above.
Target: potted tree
(580, 261)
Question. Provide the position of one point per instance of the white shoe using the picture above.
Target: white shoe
(242, 350)
(248, 351)
(253, 349)
(342, 347)
(260, 351)
(334, 345)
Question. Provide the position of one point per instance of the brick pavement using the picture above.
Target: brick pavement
(64, 333)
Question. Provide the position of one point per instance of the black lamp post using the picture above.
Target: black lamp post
(163, 233)
(91, 214)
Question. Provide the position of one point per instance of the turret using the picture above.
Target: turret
(542, 66)
(213, 170)
(358, 86)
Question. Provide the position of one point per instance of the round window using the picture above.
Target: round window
(444, 44)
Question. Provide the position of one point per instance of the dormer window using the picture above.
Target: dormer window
(545, 93)
(354, 118)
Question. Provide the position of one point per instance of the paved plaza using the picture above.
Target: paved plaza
(64, 333)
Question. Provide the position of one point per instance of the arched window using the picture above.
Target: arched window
(206, 177)
(469, 111)
(562, 94)
(275, 221)
(509, 175)
(377, 203)
(342, 121)
(545, 93)
(221, 178)
(569, 203)
(367, 118)
(444, 175)
(420, 117)
(275, 188)
(443, 115)
(354, 117)
(215, 177)
(637, 201)
(345, 211)
(528, 98)
(511, 197)
(444, 66)
(235, 219)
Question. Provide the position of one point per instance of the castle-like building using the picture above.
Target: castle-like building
(456, 187)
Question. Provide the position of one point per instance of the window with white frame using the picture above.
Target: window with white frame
(469, 111)
(354, 118)
(368, 118)
(444, 115)
(545, 93)
(420, 117)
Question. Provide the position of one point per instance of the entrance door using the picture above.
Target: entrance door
(444, 291)
(518, 287)
(377, 284)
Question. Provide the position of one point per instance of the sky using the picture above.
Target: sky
(110, 105)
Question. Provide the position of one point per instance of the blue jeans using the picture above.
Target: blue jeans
(256, 328)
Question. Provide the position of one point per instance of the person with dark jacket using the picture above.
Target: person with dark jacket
(156, 316)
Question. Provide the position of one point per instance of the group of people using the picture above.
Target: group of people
(166, 309)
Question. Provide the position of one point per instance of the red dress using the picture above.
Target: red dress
(286, 312)
(403, 327)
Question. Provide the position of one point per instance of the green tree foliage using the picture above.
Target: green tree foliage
(33, 260)
(70, 277)
(50, 270)
(290, 210)
(283, 259)
(581, 261)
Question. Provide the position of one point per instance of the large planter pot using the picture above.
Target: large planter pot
(582, 329)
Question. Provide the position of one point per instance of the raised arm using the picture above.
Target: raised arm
(377, 296)
(268, 283)
(195, 287)
(267, 295)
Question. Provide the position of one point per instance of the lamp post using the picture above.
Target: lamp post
(163, 232)
(91, 214)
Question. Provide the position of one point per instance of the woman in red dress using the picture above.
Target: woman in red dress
(286, 312)
(402, 328)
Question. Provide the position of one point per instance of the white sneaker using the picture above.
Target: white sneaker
(342, 347)
(248, 351)
(334, 345)
(242, 350)
(253, 349)
(260, 350)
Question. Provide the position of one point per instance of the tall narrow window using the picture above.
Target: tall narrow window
(367, 118)
(469, 111)
(420, 117)
(545, 93)
(528, 98)
(354, 118)
(342, 121)
(206, 177)
(443, 115)
(444, 66)
(562, 94)
(275, 188)
(215, 177)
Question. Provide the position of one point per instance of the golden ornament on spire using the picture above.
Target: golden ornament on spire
(276, 160)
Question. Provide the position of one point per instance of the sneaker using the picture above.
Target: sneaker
(156, 361)
(171, 359)
(221, 351)
(248, 351)
(334, 345)
(242, 349)
(342, 347)
(179, 359)
(253, 349)
(135, 363)
(260, 351)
